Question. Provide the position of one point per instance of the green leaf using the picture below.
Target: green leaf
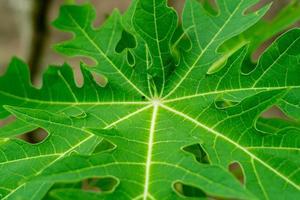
(165, 124)
(259, 33)
(196, 61)
(61, 95)
(161, 22)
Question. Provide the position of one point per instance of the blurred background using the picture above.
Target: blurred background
(26, 32)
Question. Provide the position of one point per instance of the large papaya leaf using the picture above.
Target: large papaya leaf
(155, 109)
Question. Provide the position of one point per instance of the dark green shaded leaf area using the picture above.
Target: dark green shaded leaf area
(173, 117)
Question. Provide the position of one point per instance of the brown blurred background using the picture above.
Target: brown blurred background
(26, 32)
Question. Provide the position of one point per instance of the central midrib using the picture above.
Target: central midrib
(149, 153)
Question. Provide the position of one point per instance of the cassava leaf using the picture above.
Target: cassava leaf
(164, 120)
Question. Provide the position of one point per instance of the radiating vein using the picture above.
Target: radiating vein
(251, 155)
(89, 137)
(259, 180)
(149, 153)
(229, 91)
(106, 58)
(93, 103)
(158, 47)
(204, 50)
(275, 61)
